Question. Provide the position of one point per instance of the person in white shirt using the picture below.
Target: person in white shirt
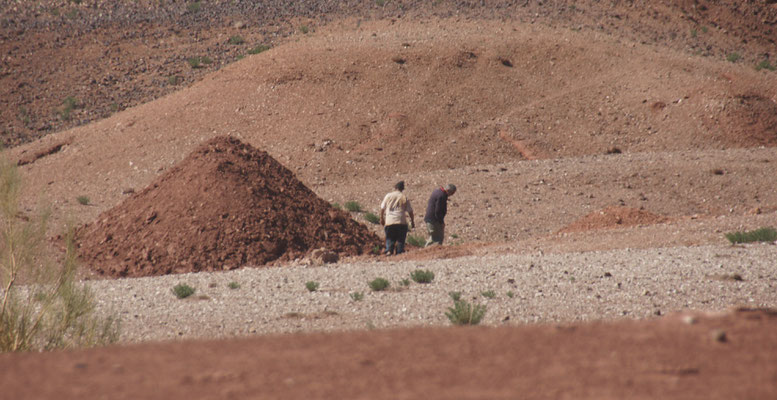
(394, 211)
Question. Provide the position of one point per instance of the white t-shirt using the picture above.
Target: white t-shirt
(396, 206)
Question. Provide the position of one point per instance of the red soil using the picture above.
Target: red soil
(225, 206)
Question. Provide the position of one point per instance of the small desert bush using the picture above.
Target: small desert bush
(758, 235)
(415, 240)
(312, 286)
(405, 282)
(357, 296)
(376, 249)
(489, 294)
(422, 276)
(194, 62)
(371, 218)
(353, 206)
(194, 7)
(379, 284)
(183, 290)
(52, 310)
(68, 105)
(510, 294)
(83, 200)
(765, 64)
(236, 40)
(456, 296)
(733, 57)
(304, 29)
(259, 49)
(173, 80)
(463, 313)
(233, 285)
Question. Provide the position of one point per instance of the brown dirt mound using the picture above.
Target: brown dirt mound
(224, 206)
(613, 217)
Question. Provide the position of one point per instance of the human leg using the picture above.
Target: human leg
(401, 237)
(390, 241)
(436, 233)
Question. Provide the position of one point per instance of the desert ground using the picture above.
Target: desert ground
(601, 151)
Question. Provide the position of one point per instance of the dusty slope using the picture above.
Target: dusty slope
(361, 104)
(111, 55)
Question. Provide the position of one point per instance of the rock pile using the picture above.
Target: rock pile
(225, 206)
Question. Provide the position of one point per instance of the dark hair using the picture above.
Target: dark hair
(400, 186)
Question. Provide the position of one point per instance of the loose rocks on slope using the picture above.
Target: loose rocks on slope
(224, 206)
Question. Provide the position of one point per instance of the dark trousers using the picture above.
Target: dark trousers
(395, 238)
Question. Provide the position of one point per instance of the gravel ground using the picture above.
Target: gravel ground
(528, 288)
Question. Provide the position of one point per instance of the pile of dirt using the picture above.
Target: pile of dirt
(224, 206)
(613, 217)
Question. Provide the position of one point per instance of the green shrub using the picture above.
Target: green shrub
(758, 235)
(83, 200)
(765, 64)
(415, 240)
(183, 290)
(422, 276)
(194, 62)
(173, 80)
(733, 57)
(68, 105)
(372, 218)
(357, 296)
(405, 282)
(259, 49)
(236, 40)
(304, 29)
(377, 249)
(510, 294)
(379, 284)
(53, 310)
(233, 285)
(194, 7)
(463, 313)
(312, 286)
(337, 206)
(456, 296)
(353, 206)
(489, 294)
(206, 60)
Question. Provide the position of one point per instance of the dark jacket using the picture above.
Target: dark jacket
(437, 206)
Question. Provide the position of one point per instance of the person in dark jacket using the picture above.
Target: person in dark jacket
(436, 209)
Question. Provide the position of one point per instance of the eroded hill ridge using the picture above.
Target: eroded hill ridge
(224, 206)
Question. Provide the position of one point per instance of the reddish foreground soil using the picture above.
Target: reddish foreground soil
(731, 356)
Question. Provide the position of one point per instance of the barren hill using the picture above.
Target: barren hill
(601, 150)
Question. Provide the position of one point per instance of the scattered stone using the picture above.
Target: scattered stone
(719, 335)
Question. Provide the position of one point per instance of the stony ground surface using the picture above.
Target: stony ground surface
(601, 152)
(517, 289)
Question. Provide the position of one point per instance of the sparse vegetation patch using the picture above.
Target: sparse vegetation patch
(183, 290)
(422, 276)
(312, 286)
(379, 284)
(464, 313)
(353, 206)
(758, 235)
